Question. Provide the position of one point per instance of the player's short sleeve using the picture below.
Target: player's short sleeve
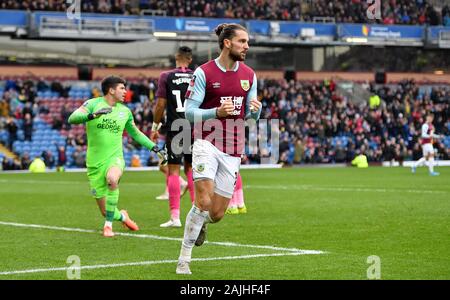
(162, 92)
(197, 86)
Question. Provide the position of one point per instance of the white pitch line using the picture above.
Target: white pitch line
(152, 262)
(251, 186)
(156, 237)
(340, 189)
(62, 182)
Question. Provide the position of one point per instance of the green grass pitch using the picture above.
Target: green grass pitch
(347, 214)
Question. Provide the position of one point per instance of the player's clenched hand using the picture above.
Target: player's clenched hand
(255, 105)
(225, 109)
(102, 111)
(162, 155)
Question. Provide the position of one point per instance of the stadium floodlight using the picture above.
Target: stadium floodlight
(165, 34)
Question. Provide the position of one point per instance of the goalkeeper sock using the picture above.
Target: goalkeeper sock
(118, 216)
(111, 204)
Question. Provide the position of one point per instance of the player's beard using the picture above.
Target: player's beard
(235, 56)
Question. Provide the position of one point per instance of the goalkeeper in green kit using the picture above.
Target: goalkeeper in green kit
(106, 118)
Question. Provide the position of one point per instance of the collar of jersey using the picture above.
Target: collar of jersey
(236, 67)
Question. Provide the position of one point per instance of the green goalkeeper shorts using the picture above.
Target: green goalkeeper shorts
(97, 176)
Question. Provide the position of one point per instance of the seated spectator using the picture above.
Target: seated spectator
(25, 161)
(48, 158)
(79, 157)
(37, 166)
(135, 161)
(152, 160)
(360, 161)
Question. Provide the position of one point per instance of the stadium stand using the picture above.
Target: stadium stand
(317, 124)
(416, 12)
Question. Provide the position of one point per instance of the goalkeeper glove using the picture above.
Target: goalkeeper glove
(162, 155)
(101, 111)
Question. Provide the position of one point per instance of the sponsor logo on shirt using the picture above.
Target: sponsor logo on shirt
(216, 85)
(237, 103)
(109, 124)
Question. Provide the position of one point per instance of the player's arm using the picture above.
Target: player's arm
(84, 113)
(160, 107)
(142, 139)
(158, 115)
(194, 99)
(424, 133)
(253, 107)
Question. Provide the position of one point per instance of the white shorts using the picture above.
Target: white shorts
(208, 162)
(427, 149)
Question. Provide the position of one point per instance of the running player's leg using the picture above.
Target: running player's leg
(112, 198)
(99, 190)
(195, 220)
(174, 196)
(173, 182)
(101, 202)
(113, 175)
(232, 205)
(428, 153)
(204, 165)
(431, 164)
(422, 160)
(240, 196)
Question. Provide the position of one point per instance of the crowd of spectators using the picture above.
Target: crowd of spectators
(350, 11)
(317, 124)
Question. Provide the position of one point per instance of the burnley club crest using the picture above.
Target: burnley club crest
(245, 84)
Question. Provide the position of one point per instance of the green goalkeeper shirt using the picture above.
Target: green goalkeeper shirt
(104, 134)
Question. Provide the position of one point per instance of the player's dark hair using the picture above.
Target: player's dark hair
(111, 82)
(227, 31)
(185, 51)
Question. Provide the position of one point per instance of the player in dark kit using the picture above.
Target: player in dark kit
(172, 87)
(222, 95)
